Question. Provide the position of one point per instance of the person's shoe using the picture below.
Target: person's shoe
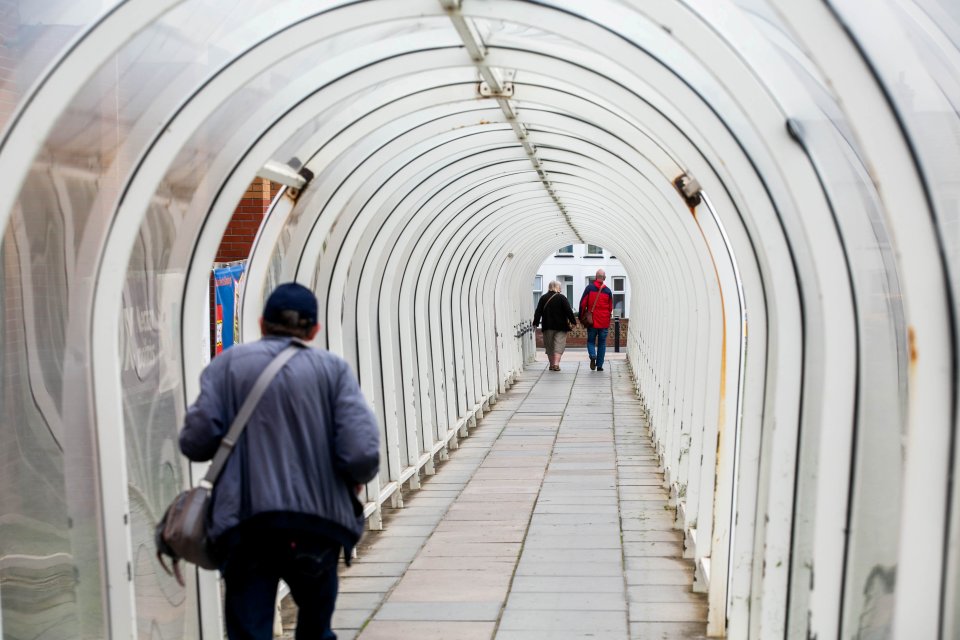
(593, 363)
(599, 368)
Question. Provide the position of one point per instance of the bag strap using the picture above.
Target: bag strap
(597, 299)
(246, 410)
(555, 294)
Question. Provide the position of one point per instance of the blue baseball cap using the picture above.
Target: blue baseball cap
(291, 297)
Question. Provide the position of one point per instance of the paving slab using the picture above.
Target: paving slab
(590, 507)
(427, 630)
(667, 611)
(374, 569)
(567, 584)
(432, 585)
(463, 564)
(473, 549)
(573, 601)
(568, 568)
(359, 600)
(554, 620)
(436, 611)
(480, 535)
(351, 618)
(666, 630)
(565, 555)
(350, 584)
(654, 590)
(665, 549)
(555, 634)
(655, 535)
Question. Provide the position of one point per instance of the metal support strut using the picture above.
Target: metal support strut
(497, 84)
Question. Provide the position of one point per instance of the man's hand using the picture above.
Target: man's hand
(358, 488)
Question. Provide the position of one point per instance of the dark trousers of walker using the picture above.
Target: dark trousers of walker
(253, 566)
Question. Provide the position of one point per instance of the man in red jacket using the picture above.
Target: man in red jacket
(598, 299)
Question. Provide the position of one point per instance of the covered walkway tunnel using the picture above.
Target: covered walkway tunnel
(779, 179)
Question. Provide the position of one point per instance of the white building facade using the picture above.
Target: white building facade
(574, 267)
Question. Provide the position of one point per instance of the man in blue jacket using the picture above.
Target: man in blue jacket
(286, 503)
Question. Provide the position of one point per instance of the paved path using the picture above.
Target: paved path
(550, 521)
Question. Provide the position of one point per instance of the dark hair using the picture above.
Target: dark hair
(289, 323)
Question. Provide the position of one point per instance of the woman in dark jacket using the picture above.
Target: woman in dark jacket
(554, 309)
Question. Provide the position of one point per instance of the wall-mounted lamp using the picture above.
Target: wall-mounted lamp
(292, 175)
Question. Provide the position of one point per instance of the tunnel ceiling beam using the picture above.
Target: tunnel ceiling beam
(495, 85)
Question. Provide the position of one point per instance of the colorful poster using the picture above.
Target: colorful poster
(228, 285)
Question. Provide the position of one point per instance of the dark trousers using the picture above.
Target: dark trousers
(253, 567)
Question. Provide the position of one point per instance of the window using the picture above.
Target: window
(537, 290)
(594, 251)
(619, 296)
(566, 285)
(565, 251)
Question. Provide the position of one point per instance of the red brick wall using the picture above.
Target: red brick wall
(578, 337)
(238, 237)
(240, 233)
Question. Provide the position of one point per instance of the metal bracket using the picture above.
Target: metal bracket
(689, 188)
(506, 92)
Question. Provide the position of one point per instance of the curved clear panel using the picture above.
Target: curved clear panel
(875, 494)
(872, 546)
(50, 528)
(33, 33)
(925, 88)
(152, 412)
(914, 48)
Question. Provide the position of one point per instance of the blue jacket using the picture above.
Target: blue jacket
(310, 440)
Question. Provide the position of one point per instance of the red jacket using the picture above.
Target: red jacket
(604, 306)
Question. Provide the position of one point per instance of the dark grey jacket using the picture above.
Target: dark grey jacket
(311, 439)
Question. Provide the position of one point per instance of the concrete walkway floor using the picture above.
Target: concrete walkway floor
(550, 521)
